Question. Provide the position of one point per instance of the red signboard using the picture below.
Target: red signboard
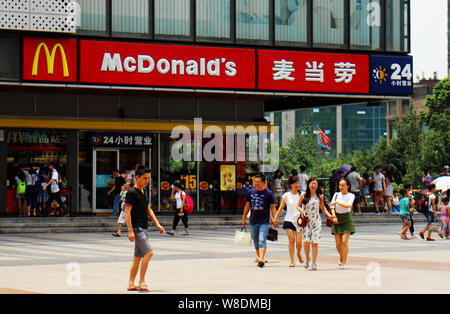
(313, 72)
(50, 59)
(166, 65)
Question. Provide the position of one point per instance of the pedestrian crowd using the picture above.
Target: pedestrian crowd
(40, 193)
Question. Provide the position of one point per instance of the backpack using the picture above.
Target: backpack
(423, 205)
(188, 204)
(21, 187)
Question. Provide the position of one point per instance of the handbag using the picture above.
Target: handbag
(272, 234)
(302, 221)
(330, 222)
(242, 237)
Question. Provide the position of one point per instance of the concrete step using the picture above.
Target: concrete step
(19, 225)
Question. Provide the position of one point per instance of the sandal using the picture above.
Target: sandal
(143, 287)
(117, 234)
(132, 287)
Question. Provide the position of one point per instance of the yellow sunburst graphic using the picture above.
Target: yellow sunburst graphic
(380, 74)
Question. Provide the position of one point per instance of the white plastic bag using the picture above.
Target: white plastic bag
(242, 237)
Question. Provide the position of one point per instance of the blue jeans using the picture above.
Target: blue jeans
(259, 235)
(116, 205)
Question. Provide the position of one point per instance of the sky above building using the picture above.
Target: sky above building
(429, 38)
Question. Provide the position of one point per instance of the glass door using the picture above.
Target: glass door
(105, 161)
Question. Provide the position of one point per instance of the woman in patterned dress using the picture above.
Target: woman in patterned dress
(309, 203)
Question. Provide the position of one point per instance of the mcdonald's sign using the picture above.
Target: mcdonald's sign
(49, 59)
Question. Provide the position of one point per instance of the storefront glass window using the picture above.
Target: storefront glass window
(93, 15)
(32, 151)
(252, 19)
(130, 16)
(213, 18)
(397, 25)
(172, 17)
(328, 19)
(171, 170)
(290, 21)
(365, 24)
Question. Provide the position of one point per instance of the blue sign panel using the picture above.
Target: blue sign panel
(392, 75)
(121, 140)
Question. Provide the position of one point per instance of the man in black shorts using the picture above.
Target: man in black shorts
(137, 211)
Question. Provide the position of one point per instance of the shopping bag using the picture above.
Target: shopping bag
(435, 227)
(242, 237)
(272, 235)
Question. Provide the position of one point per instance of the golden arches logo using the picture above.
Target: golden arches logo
(50, 58)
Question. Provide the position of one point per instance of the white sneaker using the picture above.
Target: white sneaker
(313, 267)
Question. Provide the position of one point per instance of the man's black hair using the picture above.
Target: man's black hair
(141, 170)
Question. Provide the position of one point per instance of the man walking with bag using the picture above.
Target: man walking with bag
(262, 205)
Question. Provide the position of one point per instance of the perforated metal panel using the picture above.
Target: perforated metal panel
(38, 15)
(14, 21)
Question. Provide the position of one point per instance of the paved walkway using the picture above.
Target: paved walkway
(208, 262)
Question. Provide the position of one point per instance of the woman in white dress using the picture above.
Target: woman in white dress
(309, 203)
(294, 233)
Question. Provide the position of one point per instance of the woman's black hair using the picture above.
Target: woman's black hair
(293, 180)
(308, 191)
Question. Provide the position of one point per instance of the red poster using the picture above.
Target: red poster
(49, 59)
(313, 72)
(120, 63)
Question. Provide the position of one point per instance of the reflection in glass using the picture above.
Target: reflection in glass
(290, 20)
(252, 19)
(172, 17)
(328, 19)
(213, 18)
(365, 23)
(93, 15)
(130, 16)
(397, 25)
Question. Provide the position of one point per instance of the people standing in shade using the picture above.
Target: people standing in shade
(343, 227)
(137, 212)
(379, 182)
(289, 201)
(180, 197)
(55, 193)
(261, 204)
(119, 181)
(426, 179)
(395, 202)
(277, 187)
(405, 213)
(303, 178)
(389, 183)
(309, 204)
(20, 192)
(365, 193)
(356, 184)
(431, 214)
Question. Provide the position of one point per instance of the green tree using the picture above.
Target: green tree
(435, 153)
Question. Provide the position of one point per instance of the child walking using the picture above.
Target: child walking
(445, 219)
(405, 213)
(123, 194)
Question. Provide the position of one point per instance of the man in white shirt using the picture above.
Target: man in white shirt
(54, 193)
(303, 178)
(356, 183)
(379, 187)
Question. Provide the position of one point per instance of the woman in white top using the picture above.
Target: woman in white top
(290, 201)
(180, 197)
(277, 187)
(341, 207)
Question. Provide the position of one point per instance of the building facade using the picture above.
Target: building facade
(95, 85)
